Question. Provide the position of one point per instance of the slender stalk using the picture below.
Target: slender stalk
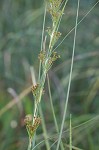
(71, 69)
(70, 135)
(52, 107)
(30, 145)
(42, 37)
(44, 128)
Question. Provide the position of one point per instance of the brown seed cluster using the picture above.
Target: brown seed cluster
(35, 89)
(55, 15)
(32, 128)
(37, 121)
(55, 3)
(53, 58)
(55, 10)
(42, 56)
(56, 36)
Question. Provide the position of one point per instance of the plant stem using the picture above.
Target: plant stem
(44, 128)
(70, 77)
(70, 136)
(30, 145)
(55, 121)
(42, 38)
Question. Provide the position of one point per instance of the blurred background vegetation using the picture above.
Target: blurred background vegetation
(20, 37)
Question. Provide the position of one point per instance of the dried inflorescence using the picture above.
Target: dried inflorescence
(31, 128)
(56, 12)
(35, 89)
(54, 56)
(37, 121)
(36, 92)
(55, 15)
(54, 5)
(42, 56)
(54, 9)
(46, 62)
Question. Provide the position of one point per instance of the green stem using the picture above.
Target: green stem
(55, 120)
(30, 144)
(44, 129)
(70, 136)
(70, 77)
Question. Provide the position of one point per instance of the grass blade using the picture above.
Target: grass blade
(70, 136)
(52, 107)
(71, 69)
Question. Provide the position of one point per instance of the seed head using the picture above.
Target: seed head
(32, 128)
(42, 56)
